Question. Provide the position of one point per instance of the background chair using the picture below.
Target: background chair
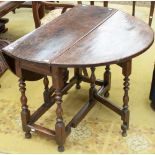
(39, 7)
(5, 7)
(151, 11)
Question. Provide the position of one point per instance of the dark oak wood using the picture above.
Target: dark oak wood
(44, 107)
(25, 113)
(42, 130)
(78, 73)
(107, 79)
(84, 37)
(39, 7)
(108, 104)
(59, 126)
(87, 79)
(92, 85)
(87, 107)
(79, 38)
(47, 91)
(126, 72)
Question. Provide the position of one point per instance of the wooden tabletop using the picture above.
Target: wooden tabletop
(84, 36)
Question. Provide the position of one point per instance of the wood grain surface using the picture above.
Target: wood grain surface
(84, 36)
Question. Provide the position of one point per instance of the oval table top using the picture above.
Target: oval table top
(84, 36)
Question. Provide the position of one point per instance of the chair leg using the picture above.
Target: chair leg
(151, 12)
(133, 8)
(58, 84)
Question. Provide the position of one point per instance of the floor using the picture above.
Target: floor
(99, 132)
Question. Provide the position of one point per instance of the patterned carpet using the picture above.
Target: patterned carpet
(99, 132)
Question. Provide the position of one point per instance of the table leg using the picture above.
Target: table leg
(25, 113)
(107, 79)
(77, 73)
(92, 85)
(58, 83)
(85, 72)
(65, 75)
(46, 90)
(125, 116)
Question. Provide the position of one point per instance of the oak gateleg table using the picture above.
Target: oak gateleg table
(84, 37)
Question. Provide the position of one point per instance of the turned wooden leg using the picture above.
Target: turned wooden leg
(59, 126)
(25, 113)
(46, 90)
(125, 124)
(49, 91)
(77, 73)
(92, 85)
(107, 79)
(125, 111)
(85, 72)
(65, 75)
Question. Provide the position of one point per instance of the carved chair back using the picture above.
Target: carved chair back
(39, 7)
